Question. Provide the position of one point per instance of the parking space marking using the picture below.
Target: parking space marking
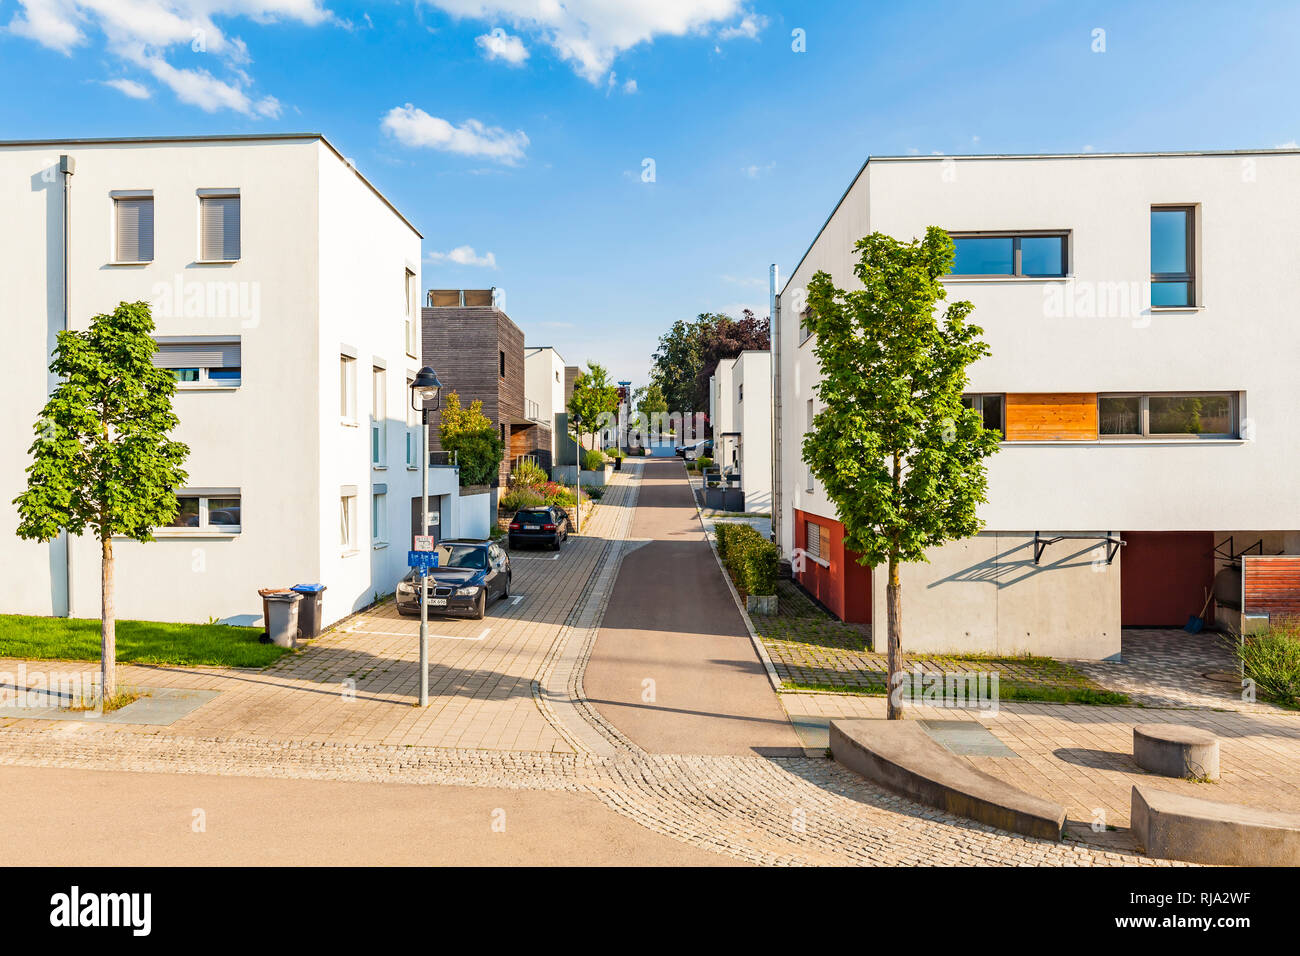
(416, 633)
(531, 557)
(516, 599)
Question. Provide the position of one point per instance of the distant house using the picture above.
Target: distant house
(478, 353)
(740, 410)
(545, 395)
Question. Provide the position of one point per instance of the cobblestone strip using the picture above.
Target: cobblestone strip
(559, 690)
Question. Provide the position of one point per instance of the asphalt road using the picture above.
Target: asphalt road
(673, 666)
(59, 817)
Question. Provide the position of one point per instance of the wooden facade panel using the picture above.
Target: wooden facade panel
(1272, 585)
(1056, 416)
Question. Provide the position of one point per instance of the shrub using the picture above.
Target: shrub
(595, 493)
(593, 459)
(704, 463)
(615, 452)
(749, 558)
(1271, 659)
(762, 560)
(517, 498)
(473, 438)
(529, 474)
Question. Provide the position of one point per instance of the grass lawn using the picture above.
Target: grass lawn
(138, 642)
(811, 650)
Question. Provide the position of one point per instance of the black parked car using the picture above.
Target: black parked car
(468, 575)
(548, 525)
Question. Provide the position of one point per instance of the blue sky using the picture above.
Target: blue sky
(513, 132)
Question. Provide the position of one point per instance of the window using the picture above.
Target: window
(133, 229)
(412, 429)
(379, 518)
(218, 227)
(805, 326)
(216, 512)
(348, 389)
(348, 520)
(378, 418)
(1168, 415)
(200, 362)
(503, 364)
(412, 315)
(992, 409)
(812, 533)
(1173, 279)
(1031, 255)
(740, 392)
(810, 428)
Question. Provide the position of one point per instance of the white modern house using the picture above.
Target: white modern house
(544, 391)
(740, 408)
(1139, 308)
(285, 291)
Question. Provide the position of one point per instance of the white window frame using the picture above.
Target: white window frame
(205, 528)
(347, 389)
(131, 196)
(412, 429)
(378, 417)
(210, 194)
(379, 519)
(348, 522)
(412, 315)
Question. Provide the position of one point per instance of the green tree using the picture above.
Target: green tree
(473, 438)
(678, 360)
(894, 446)
(594, 397)
(102, 460)
(650, 400)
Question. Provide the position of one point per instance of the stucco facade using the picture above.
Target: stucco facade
(1089, 334)
(740, 408)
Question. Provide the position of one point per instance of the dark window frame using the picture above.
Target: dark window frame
(977, 405)
(1189, 238)
(1144, 432)
(1017, 268)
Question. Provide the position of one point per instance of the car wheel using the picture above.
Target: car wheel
(480, 607)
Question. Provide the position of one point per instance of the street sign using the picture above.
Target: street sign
(422, 559)
(424, 542)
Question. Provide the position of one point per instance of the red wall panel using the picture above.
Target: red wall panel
(1163, 576)
(844, 587)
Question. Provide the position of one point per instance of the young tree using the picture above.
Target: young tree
(474, 439)
(102, 459)
(894, 447)
(594, 397)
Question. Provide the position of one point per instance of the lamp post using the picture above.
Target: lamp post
(425, 387)
(577, 474)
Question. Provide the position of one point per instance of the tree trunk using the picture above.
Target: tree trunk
(108, 624)
(894, 605)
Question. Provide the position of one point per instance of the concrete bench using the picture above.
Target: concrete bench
(1176, 750)
(1177, 827)
(901, 756)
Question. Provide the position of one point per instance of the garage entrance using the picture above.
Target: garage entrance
(1164, 576)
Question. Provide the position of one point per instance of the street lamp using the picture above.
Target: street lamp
(424, 387)
(577, 473)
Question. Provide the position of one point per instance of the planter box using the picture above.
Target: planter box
(715, 499)
(733, 499)
(760, 604)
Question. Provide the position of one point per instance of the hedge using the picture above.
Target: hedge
(750, 559)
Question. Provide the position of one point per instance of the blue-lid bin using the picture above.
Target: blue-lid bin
(309, 612)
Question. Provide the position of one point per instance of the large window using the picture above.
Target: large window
(1032, 255)
(201, 361)
(379, 518)
(992, 409)
(1168, 415)
(812, 536)
(218, 227)
(348, 520)
(214, 512)
(133, 229)
(412, 427)
(412, 315)
(378, 418)
(1173, 258)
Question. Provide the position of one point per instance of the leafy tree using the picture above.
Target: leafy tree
(725, 338)
(594, 397)
(650, 401)
(473, 438)
(894, 447)
(677, 362)
(102, 460)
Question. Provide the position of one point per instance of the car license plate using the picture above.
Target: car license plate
(437, 602)
(532, 527)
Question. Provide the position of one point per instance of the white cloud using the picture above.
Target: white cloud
(590, 34)
(137, 91)
(630, 87)
(1289, 144)
(499, 45)
(465, 256)
(412, 126)
(750, 26)
(754, 171)
(141, 32)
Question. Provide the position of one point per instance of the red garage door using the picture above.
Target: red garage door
(1163, 576)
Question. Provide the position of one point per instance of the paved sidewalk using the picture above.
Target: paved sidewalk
(674, 667)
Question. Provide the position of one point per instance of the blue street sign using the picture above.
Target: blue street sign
(422, 559)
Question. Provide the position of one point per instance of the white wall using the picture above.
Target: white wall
(753, 370)
(544, 384)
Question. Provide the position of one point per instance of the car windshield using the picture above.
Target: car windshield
(533, 516)
(462, 556)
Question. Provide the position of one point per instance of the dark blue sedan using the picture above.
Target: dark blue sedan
(468, 575)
